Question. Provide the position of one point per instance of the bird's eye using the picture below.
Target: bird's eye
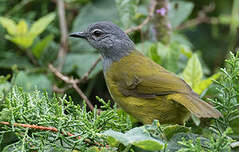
(97, 33)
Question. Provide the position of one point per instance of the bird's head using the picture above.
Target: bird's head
(108, 39)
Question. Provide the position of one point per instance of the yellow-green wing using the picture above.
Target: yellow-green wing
(137, 75)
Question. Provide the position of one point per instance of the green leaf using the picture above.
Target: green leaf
(24, 41)
(40, 25)
(42, 45)
(193, 73)
(179, 11)
(127, 11)
(171, 130)
(8, 24)
(32, 81)
(204, 84)
(185, 50)
(9, 59)
(22, 28)
(81, 63)
(138, 137)
(153, 53)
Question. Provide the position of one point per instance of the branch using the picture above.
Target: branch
(63, 27)
(52, 129)
(86, 75)
(201, 18)
(73, 83)
(148, 18)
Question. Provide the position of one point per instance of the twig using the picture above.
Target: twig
(201, 18)
(53, 129)
(86, 75)
(63, 27)
(73, 83)
(148, 18)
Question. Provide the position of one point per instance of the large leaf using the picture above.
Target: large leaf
(103, 10)
(138, 137)
(127, 10)
(206, 83)
(9, 59)
(81, 63)
(193, 73)
(179, 11)
(8, 24)
(38, 49)
(32, 81)
(39, 26)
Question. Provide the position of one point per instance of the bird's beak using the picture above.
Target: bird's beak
(79, 35)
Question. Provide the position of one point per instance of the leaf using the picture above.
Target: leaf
(171, 130)
(179, 11)
(185, 50)
(22, 28)
(42, 45)
(40, 25)
(127, 11)
(32, 81)
(8, 24)
(24, 41)
(103, 10)
(9, 59)
(138, 137)
(204, 84)
(153, 54)
(193, 73)
(81, 63)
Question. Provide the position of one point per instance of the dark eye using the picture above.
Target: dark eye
(97, 33)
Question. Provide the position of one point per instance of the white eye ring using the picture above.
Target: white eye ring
(97, 32)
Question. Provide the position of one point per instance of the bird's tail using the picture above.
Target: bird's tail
(195, 105)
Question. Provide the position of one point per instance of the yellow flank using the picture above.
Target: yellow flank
(147, 91)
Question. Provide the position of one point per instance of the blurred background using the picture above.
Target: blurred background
(189, 38)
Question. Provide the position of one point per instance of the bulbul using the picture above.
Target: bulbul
(141, 87)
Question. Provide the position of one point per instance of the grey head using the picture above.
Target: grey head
(108, 39)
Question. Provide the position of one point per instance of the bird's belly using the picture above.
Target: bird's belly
(146, 110)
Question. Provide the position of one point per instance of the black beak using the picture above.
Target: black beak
(79, 35)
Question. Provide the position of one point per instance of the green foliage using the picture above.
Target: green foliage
(227, 100)
(219, 144)
(34, 28)
(4, 85)
(75, 61)
(38, 109)
(179, 11)
(138, 137)
(20, 34)
(127, 11)
(31, 81)
(193, 75)
(40, 46)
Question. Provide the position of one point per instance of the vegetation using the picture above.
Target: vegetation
(53, 95)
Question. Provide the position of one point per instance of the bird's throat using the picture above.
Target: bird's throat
(114, 57)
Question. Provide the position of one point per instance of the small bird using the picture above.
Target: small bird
(141, 87)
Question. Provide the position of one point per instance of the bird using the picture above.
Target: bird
(141, 87)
